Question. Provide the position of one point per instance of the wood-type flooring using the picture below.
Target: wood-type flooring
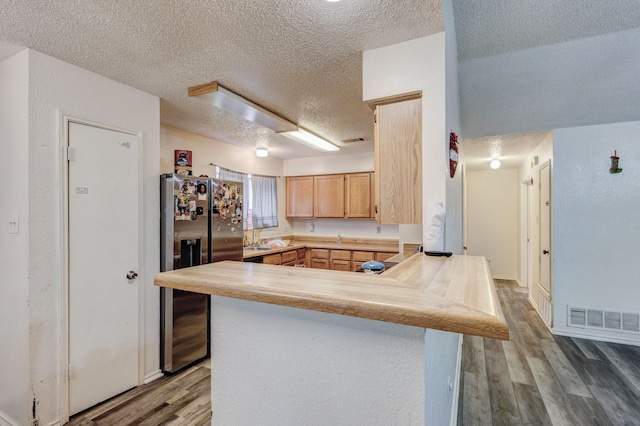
(535, 378)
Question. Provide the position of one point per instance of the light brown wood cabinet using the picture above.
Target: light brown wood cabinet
(357, 195)
(328, 196)
(398, 162)
(331, 196)
(300, 196)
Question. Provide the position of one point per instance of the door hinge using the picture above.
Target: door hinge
(68, 153)
(375, 118)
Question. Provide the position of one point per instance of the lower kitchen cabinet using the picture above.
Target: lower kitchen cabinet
(272, 259)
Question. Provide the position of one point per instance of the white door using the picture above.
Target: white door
(103, 248)
(545, 230)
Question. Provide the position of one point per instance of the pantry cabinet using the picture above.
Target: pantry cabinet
(398, 162)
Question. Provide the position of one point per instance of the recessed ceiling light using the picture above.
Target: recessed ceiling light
(262, 152)
(333, 1)
(494, 164)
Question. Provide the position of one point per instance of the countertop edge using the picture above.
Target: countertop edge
(372, 297)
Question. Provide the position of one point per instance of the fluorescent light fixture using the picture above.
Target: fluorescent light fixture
(225, 99)
(262, 152)
(494, 164)
(309, 139)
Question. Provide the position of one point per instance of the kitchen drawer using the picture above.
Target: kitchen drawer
(340, 265)
(340, 254)
(289, 256)
(272, 259)
(319, 253)
(363, 256)
(292, 263)
(320, 263)
(302, 253)
(381, 256)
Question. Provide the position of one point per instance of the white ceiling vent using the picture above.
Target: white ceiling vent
(626, 322)
(352, 140)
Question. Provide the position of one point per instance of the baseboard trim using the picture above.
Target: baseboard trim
(535, 308)
(598, 337)
(153, 376)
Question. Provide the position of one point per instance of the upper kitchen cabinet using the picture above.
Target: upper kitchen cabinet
(300, 196)
(398, 162)
(329, 195)
(358, 195)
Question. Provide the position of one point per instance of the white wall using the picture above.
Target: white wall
(596, 227)
(417, 65)
(206, 151)
(57, 87)
(14, 299)
(455, 209)
(493, 200)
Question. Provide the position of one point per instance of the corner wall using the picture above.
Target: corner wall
(596, 227)
(14, 303)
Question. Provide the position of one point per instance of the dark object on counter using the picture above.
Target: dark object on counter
(438, 253)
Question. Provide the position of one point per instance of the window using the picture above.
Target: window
(260, 198)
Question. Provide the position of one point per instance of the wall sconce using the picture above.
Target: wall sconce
(262, 152)
(495, 164)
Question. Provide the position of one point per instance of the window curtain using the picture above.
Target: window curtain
(260, 198)
(265, 202)
(226, 174)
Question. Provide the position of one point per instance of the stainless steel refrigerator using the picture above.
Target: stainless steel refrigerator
(201, 221)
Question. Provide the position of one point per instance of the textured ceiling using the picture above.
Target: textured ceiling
(299, 58)
(525, 66)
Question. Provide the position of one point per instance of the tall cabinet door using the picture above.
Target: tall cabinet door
(329, 195)
(398, 162)
(300, 196)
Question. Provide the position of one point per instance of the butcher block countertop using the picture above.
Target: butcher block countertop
(453, 294)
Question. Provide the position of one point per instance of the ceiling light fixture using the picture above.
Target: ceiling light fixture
(262, 152)
(231, 102)
(311, 140)
(494, 164)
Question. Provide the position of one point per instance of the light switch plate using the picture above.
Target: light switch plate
(14, 224)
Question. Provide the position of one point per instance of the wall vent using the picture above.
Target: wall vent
(352, 140)
(626, 322)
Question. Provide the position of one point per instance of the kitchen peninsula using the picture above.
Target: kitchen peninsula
(307, 346)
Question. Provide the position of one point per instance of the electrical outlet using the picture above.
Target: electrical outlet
(379, 230)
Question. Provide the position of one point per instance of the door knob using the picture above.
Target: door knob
(545, 251)
(132, 275)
